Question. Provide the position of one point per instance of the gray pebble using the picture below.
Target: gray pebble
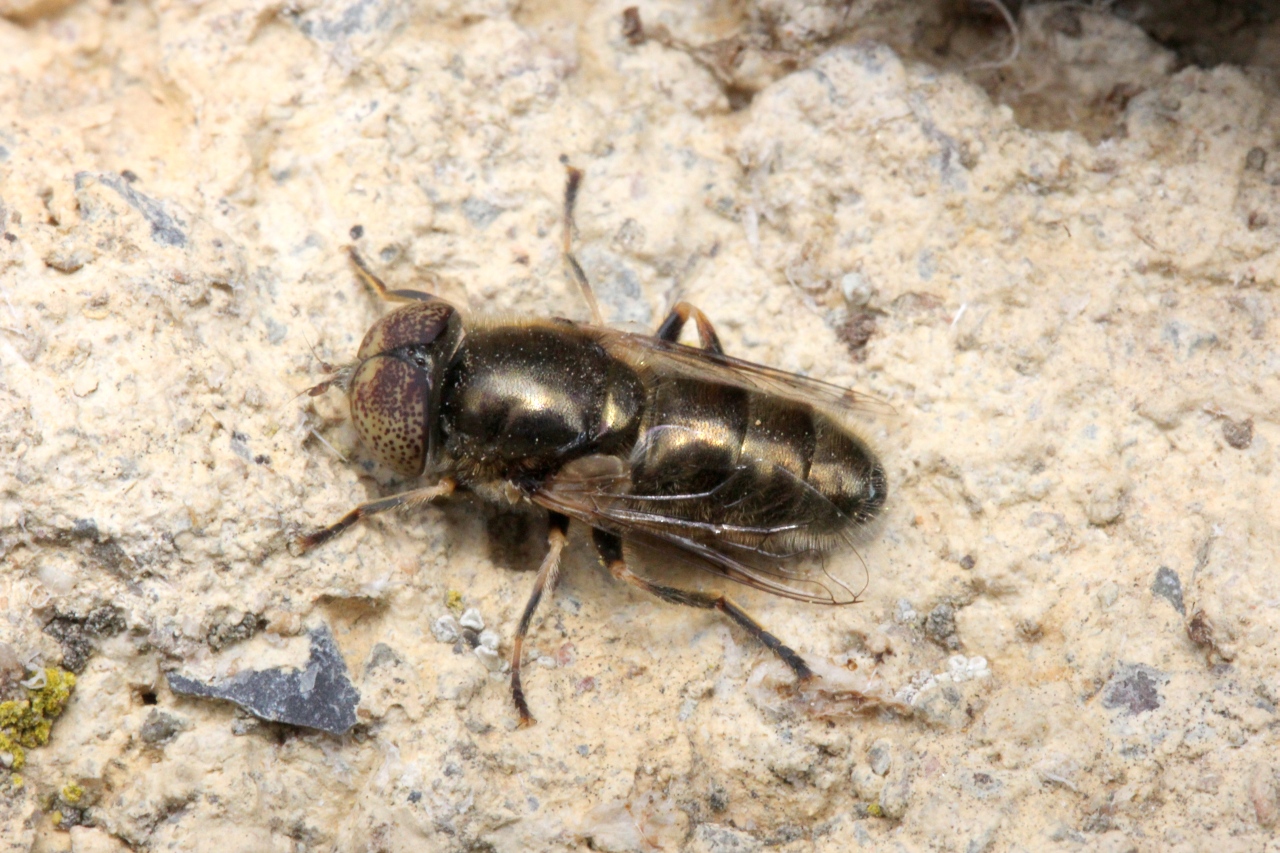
(940, 626)
(895, 797)
(472, 619)
(159, 727)
(865, 783)
(881, 756)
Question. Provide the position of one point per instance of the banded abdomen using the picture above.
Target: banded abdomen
(752, 468)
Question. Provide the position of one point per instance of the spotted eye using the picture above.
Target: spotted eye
(389, 399)
(413, 327)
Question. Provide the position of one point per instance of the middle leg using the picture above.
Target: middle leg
(548, 574)
(610, 547)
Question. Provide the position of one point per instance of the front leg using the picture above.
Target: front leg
(442, 489)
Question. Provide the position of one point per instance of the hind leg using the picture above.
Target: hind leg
(674, 324)
(610, 547)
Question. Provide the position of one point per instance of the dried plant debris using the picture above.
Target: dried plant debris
(1200, 631)
(837, 693)
(319, 696)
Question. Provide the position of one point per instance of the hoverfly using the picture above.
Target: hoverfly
(737, 468)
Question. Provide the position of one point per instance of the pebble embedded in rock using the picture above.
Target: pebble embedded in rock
(1168, 586)
(880, 756)
(895, 797)
(159, 727)
(319, 696)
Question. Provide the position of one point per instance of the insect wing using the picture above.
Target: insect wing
(593, 491)
(668, 358)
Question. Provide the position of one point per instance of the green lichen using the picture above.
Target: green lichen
(875, 810)
(26, 723)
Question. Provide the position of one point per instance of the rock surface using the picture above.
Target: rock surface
(1070, 632)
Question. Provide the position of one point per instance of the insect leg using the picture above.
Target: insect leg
(610, 547)
(442, 489)
(548, 573)
(572, 183)
(374, 283)
(674, 324)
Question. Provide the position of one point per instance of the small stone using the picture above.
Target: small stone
(714, 838)
(895, 797)
(67, 258)
(1105, 505)
(445, 629)
(1256, 159)
(490, 658)
(856, 289)
(318, 696)
(382, 655)
(159, 727)
(1263, 796)
(458, 687)
(1135, 688)
(1107, 594)
(1238, 434)
(85, 384)
(880, 756)
(865, 783)
(905, 613)
(940, 626)
(1061, 832)
(1168, 586)
(941, 705)
(472, 619)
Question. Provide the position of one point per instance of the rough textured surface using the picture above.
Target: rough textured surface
(1070, 300)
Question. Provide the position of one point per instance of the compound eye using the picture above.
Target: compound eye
(418, 325)
(389, 408)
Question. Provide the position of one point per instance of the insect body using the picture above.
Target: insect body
(734, 467)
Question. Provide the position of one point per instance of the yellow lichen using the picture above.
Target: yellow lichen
(453, 600)
(17, 781)
(7, 745)
(49, 700)
(27, 722)
(875, 810)
(71, 793)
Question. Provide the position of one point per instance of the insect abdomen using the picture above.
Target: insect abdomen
(753, 468)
